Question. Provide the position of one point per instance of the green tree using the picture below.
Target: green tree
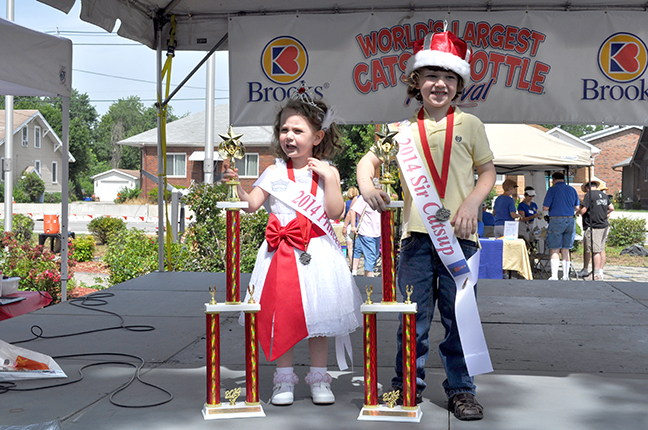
(125, 118)
(356, 141)
(577, 130)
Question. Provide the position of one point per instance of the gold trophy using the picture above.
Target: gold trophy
(231, 149)
(386, 149)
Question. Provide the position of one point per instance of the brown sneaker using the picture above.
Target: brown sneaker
(465, 407)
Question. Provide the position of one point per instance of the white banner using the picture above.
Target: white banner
(535, 67)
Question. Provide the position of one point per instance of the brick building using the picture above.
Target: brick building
(617, 144)
(635, 175)
(186, 150)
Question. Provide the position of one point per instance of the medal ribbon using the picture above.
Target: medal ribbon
(442, 181)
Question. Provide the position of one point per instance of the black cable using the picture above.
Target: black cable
(11, 386)
(90, 302)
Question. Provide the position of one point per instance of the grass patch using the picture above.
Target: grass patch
(614, 258)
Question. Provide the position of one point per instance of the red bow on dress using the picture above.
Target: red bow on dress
(281, 320)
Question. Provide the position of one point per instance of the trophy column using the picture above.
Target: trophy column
(385, 148)
(233, 255)
(389, 411)
(213, 359)
(213, 408)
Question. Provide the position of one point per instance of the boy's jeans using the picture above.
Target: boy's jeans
(421, 267)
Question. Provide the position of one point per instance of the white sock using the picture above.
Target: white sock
(321, 370)
(281, 370)
(565, 266)
(555, 265)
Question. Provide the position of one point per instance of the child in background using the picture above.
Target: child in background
(436, 75)
(301, 277)
(349, 236)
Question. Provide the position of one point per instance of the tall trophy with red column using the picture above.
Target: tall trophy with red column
(386, 148)
(231, 149)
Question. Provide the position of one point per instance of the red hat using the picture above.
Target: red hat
(443, 50)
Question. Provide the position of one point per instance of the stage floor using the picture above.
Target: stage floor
(567, 355)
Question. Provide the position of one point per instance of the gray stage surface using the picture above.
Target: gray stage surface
(567, 355)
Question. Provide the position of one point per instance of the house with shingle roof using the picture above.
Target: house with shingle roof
(185, 154)
(36, 147)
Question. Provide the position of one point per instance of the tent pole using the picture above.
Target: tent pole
(589, 173)
(65, 196)
(195, 69)
(161, 189)
(8, 168)
(9, 140)
(208, 165)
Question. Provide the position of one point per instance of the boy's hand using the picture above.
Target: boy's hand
(465, 221)
(376, 199)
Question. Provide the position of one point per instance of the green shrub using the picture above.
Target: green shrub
(125, 194)
(636, 205)
(207, 237)
(53, 198)
(84, 248)
(490, 197)
(23, 227)
(153, 195)
(132, 253)
(627, 231)
(29, 188)
(104, 226)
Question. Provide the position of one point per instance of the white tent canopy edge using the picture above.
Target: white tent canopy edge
(36, 64)
(201, 23)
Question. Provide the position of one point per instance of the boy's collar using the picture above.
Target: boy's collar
(458, 115)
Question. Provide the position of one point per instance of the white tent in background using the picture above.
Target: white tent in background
(520, 149)
(37, 64)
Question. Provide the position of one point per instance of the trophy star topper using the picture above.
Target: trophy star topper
(231, 147)
(386, 147)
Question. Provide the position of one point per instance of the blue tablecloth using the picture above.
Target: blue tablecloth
(490, 263)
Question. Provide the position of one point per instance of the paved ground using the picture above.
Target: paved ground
(567, 356)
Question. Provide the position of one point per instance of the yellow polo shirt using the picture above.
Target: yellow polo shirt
(470, 148)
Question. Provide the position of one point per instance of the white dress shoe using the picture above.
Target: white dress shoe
(282, 394)
(320, 385)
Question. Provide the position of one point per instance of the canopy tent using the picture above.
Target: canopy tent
(205, 25)
(201, 23)
(510, 144)
(36, 64)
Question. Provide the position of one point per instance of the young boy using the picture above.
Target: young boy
(436, 75)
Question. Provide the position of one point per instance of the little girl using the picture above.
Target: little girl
(300, 277)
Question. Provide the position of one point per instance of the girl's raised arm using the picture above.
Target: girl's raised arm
(333, 200)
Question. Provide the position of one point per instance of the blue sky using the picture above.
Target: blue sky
(108, 67)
